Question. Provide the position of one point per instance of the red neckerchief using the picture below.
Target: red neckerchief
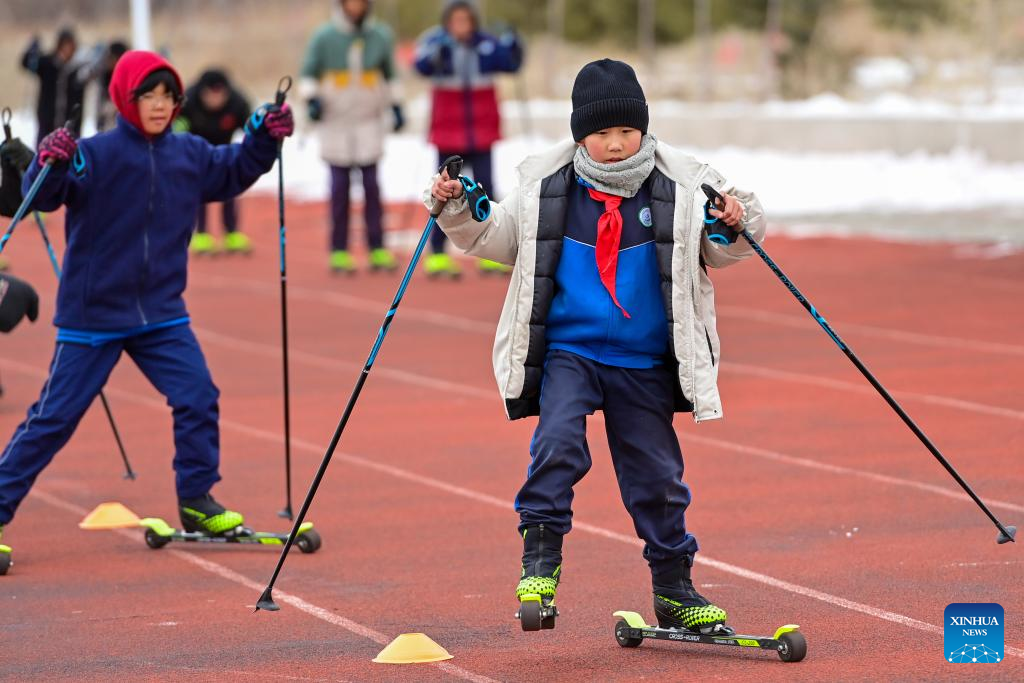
(609, 234)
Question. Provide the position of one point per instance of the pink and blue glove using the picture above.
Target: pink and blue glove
(279, 122)
(57, 148)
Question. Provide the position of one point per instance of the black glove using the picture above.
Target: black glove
(17, 300)
(396, 109)
(315, 108)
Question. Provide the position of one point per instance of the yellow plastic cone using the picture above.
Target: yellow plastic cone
(412, 648)
(109, 516)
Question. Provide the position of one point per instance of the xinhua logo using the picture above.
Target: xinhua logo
(973, 632)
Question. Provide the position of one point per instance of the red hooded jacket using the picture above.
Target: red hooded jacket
(131, 70)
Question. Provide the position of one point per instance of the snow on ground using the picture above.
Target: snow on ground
(788, 184)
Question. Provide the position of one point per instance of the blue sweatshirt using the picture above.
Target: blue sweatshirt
(583, 318)
(131, 206)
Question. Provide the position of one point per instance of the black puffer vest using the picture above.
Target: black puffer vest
(554, 204)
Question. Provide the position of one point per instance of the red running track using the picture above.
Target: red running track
(812, 502)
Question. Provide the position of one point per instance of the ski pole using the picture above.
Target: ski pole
(266, 601)
(128, 472)
(283, 86)
(1006, 533)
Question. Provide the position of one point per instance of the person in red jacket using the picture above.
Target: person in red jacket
(461, 61)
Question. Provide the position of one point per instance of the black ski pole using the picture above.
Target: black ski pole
(283, 86)
(128, 472)
(1006, 533)
(266, 601)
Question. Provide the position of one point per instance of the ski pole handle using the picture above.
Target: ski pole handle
(718, 231)
(453, 165)
(5, 116)
(283, 86)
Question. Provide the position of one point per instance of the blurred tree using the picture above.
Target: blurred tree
(913, 15)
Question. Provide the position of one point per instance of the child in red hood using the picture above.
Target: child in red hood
(132, 194)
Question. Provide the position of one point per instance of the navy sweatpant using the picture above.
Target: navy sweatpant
(638, 409)
(170, 359)
(372, 211)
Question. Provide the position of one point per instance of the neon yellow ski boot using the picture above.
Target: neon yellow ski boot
(237, 243)
(203, 244)
(442, 265)
(382, 259)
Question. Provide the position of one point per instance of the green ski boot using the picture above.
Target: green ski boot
(488, 267)
(5, 554)
(382, 259)
(342, 262)
(207, 516)
(237, 243)
(442, 265)
(203, 244)
(677, 604)
(541, 572)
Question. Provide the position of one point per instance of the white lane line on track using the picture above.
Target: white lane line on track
(867, 389)
(801, 322)
(422, 380)
(450, 321)
(838, 469)
(257, 588)
(496, 502)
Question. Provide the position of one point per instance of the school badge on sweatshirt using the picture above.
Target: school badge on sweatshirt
(645, 217)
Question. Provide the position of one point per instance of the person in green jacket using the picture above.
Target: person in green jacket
(346, 81)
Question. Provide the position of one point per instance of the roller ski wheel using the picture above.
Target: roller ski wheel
(791, 646)
(536, 614)
(159, 533)
(5, 560)
(309, 541)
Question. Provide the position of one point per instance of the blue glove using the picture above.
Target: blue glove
(315, 108)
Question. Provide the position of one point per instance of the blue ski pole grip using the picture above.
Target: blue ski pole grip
(718, 231)
(479, 203)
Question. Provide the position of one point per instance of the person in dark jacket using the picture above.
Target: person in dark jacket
(106, 112)
(132, 194)
(61, 83)
(461, 61)
(214, 110)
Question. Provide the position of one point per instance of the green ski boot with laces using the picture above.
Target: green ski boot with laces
(542, 570)
(678, 605)
(207, 516)
(5, 554)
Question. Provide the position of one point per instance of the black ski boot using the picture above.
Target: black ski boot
(207, 516)
(677, 604)
(542, 569)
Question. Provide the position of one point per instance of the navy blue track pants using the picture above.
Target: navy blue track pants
(638, 410)
(170, 359)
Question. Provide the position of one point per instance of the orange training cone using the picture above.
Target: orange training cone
(109, 516)
(412, 648)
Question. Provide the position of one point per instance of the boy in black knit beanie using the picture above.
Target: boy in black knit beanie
(610, 308)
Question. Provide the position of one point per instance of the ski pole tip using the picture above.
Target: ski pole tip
(285, 513)
(1007, 535)
(266, 602)
(130, 476)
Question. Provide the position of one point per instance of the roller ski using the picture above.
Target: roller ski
(631, 630)
(683, 614)
(542, 570)
(204, 520)
(5, 555)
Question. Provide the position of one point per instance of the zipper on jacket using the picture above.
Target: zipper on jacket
(692, 360)
(145, 234)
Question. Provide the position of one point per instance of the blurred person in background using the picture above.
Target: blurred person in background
(215, 110)
(106, 112)
(461, 61)
(346, 79)
(61, 82)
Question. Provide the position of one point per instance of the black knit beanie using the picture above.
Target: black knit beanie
(606, 94)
